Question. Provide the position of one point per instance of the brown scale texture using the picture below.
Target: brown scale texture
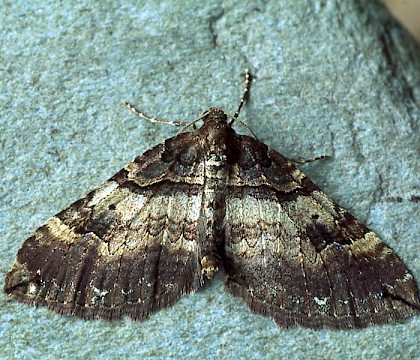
(201, 201)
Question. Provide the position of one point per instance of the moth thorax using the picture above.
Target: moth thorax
(216, 166)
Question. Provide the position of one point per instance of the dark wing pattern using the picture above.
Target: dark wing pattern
(297, 257)
(204, 199)
(126, 249)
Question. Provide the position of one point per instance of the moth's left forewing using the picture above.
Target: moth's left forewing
(254, 165)
(296, 256)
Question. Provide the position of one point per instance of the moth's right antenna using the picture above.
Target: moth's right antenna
(152, 119)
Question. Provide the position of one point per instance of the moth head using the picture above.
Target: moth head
(214, 115)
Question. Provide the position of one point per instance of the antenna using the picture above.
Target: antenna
(245, 95)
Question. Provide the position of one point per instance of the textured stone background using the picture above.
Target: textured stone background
(338, 78)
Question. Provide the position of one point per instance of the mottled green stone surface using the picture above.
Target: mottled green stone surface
(337, 78)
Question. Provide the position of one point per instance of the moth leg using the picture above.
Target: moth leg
(304, 161)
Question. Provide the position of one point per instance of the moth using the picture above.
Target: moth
(204, 200)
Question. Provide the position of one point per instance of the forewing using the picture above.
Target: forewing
(297, 257)
(126, 249)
